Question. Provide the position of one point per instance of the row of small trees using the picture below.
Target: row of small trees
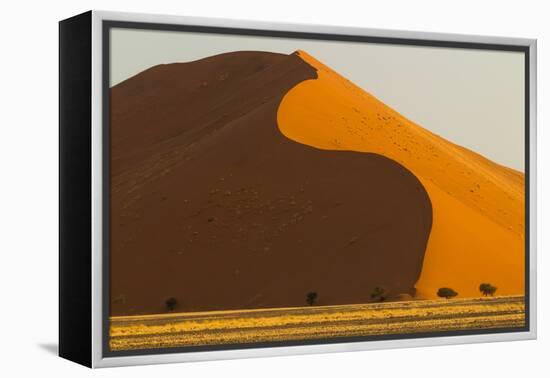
(485, 288)
(378, 294)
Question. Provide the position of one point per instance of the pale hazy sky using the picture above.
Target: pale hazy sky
(474, 98)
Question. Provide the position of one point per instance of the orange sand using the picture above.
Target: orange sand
(478, 206)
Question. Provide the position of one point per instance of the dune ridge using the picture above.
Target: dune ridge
(478, 205)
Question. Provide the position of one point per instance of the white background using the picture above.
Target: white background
(28, 186)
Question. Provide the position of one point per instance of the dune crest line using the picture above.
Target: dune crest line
(478, 206)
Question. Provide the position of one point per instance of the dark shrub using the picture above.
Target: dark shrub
(311, 298)
(379, 294)
(171, 303)
(446, 292)
(487, 289)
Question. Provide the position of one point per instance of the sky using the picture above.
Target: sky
(474, 98)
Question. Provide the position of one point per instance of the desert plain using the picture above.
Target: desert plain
(310, 323)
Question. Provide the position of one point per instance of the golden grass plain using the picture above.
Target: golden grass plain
(316, 322)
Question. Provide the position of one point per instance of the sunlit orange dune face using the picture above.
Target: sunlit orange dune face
(478, 206)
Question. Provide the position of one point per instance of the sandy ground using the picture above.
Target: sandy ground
(323, 322)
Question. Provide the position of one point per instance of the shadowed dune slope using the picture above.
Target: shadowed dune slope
(478, 206)
(212, 205)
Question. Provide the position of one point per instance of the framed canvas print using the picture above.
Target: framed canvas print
(236, 189)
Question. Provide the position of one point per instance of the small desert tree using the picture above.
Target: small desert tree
(379, 294)
(487, 289)
(171, 303)
(311, 298)
(446, 292)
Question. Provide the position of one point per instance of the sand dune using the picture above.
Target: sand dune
(478, 205)
(212, 205)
